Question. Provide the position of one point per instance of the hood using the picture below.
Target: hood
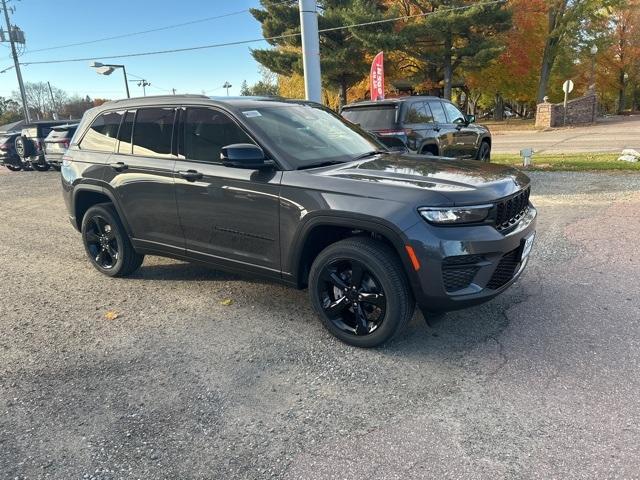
(461, 181)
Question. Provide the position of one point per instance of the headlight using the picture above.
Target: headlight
(456, 215)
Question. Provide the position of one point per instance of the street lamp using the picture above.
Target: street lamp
(594, 51)
(227, 85)
(107, 69)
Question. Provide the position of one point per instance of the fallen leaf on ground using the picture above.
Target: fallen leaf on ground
(111, 315)
(226, 302)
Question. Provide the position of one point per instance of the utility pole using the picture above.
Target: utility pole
(227, 85)
(173, 90)
(141, 83)
(310, 50)
(16, 63)
(54, 114)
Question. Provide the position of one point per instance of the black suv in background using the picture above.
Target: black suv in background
(30, 144)
(289, 191)
(427, 125)
(57, 143)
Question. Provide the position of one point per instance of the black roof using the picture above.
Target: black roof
(232, 102)
(390, 101)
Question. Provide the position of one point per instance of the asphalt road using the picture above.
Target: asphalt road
(542, 382)
(608, 135)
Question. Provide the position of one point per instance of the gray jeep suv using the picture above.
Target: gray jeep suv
(289, 191)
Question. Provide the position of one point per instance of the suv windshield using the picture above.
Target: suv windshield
(372, 118)
(306, 135)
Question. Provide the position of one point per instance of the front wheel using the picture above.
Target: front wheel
(360, 291)
(13, 168)
(484, 152)
(107, 243)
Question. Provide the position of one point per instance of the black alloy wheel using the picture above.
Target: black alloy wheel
(352, 297)
(101, 242)
(360, 291)
(106, 242)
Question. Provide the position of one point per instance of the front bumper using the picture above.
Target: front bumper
(465, 266)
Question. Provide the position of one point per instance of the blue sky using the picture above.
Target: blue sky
(49, 23)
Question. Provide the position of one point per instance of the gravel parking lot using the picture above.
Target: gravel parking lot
(542, 382)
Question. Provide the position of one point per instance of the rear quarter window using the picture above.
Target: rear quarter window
(372, 118)
(101, 135)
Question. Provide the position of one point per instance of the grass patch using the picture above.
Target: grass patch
(556, 162)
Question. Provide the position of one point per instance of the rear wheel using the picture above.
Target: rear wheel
(359, 289)
(13, 168)
(107, 243)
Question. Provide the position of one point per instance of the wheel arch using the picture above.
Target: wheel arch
(323, 230)
(430, 146)
(86, 196)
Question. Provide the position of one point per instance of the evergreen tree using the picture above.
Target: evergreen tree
(449, 37)
(345, 53)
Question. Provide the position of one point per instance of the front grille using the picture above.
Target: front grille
(510, 211)
(506, 269)
(458, 272)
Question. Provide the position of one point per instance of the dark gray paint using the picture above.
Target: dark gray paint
(258, 220)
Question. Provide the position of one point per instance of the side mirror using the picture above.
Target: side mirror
(470, 118)
(244, 155)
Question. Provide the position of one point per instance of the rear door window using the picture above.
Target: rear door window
(206, 131)
(438, 112)
(419, 112)
(372, 118)
(153, 131)
(101, 135)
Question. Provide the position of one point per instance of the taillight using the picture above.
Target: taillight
(65, 143)
(394, 132)
(4, 147)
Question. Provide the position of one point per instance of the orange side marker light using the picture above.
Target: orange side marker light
(412, 256)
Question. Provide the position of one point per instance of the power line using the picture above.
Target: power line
(254, 40)
(151, 30)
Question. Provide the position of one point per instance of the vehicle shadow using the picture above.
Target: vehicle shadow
(179, 271)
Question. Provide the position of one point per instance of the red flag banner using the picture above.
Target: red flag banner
(376, 79)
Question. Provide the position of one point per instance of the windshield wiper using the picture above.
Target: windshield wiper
(371, 154)
(319, 164)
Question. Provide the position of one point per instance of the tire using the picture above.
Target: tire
(57, 168)
(13, 168)
(484, 152)
(344, 311)
(41, 167)
(106, 242)
(24, 146)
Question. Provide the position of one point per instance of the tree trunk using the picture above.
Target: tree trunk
(447, 68)
(621, 99)
(498, 111)
(343, 91)
(548, 58)
(555, 17)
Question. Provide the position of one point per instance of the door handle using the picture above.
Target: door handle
(190, 175)
(119, 166)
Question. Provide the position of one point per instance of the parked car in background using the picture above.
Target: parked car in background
(57, 143)
(426, 125)
(30, 144)
(8, 156)
(288, 190)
